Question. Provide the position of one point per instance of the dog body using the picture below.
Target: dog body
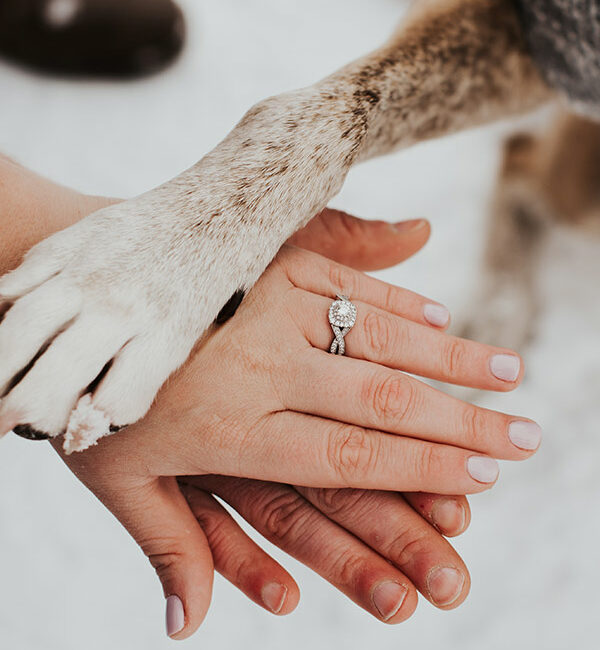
(136, 284)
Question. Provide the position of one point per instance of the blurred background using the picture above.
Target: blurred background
(70, 576)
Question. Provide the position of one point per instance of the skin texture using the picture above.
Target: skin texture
(145, 278)
(186, 540)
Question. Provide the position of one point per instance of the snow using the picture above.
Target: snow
(72, 579)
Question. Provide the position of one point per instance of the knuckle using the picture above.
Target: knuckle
(340, 224)
(164, 562)
(392, 299)
(378, 333)
(283, 515)
(473, 425)
(409, 544)
(453, 357)
(351, 453)
(349, 568)
(243, 568)
(343, 279)
(390, 398)
(428, 462)
(336, 501)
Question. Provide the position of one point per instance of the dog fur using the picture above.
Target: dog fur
(130, 289)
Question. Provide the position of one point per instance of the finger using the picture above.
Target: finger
(311, 451)
(326, 278)
(287, 520)
(450, 515)
(159, 519)
(239, 559)
(373, 396)
(360, 243)
(400, 343)
(401, 536)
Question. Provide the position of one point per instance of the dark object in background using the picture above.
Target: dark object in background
(92, 38)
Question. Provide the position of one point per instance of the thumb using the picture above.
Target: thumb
(362, 244)
(159, 519)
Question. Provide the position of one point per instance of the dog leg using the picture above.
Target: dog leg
(144, 279)
(546, 180)
(505, 306)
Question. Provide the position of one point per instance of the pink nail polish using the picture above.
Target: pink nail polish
(445, 585)
(436, 315)
(388, 598)
(175, 618)
(525, 435)
(483, 469)
(505, 366)
(273, 596)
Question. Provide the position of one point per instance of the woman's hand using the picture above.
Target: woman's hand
(261, 398)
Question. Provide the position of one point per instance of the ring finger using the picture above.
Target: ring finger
(391, 340)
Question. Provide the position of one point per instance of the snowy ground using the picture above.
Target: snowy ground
(72, 580)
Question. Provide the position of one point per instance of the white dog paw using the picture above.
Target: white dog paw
(107, 309)
(112, 305)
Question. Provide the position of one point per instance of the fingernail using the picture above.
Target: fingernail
(388, 598)
(445, 585)
(483, 469)
(409, 226)
(525, 435)
(273, 596)
(505, 366)
(175, 615)
(448, 516)
(436, 315)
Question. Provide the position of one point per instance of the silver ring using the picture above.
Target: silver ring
(342, 316)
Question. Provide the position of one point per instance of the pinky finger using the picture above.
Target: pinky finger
(450, 515)
(239, 559)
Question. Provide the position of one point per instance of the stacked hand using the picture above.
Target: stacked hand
(341, 461)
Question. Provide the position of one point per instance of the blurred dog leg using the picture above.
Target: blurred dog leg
(544, 180)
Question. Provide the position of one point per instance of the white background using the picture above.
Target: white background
(70, 578)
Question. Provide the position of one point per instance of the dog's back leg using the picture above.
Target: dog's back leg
(545, 180)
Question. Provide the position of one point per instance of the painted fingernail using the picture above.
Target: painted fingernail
(448, 516)
(388, 598)
(525, 435)
(445, 585)
(483, 469)
(436, 315)
(409, 226)
(273, 596)
(175, 615)
(505, 366)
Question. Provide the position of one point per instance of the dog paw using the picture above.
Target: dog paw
(99, 315)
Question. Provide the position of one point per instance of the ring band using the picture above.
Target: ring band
(342, 316)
